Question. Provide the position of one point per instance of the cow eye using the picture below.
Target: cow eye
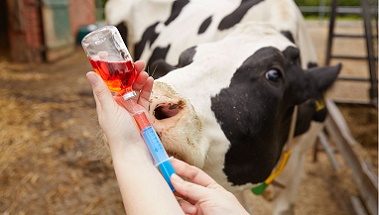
(273, 75)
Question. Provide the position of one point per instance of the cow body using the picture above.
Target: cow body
(164, 29)
(227, 105)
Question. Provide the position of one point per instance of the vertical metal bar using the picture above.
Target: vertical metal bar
(329, 151)
(366, 14)
(358, 206)
(321, 10)
(315, 152)
(332, 20)
(367, 184)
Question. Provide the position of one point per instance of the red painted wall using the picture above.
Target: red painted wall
(26, 40)
(82, 12)
(25, 30)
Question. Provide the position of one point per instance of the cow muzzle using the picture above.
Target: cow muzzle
(176, 123)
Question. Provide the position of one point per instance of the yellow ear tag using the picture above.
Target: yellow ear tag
(319, 105)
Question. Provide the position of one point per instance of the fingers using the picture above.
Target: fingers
(143, 85)
(140, 81)
(141, 76)
(100, 90)
(139, 65)
(145, 93)
(187, 207)
(199, 185)
(190, 191)
(193, 174)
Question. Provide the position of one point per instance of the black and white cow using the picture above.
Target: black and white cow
(229, 109)
(227, 105)
(163, 29)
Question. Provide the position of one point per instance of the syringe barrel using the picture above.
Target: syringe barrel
(159, 153)
(141, 120)
(155, 146)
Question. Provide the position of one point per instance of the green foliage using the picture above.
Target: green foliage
(310, 2)
(100, 4)
(327, 2)
(103, 2)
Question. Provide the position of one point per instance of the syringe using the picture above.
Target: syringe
(112, 61)
(162, 161)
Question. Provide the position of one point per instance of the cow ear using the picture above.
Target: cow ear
(323, 77)
(160, 68)
(317, 81)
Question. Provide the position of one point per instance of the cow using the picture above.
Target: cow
(229, 112)
(163, 29)
(241, 72)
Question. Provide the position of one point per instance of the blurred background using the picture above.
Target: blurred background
(52, 160)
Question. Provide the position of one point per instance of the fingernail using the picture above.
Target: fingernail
(176, 178)
(190, 209)
(92, 78)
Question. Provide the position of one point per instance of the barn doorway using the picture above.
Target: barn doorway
(4, 38)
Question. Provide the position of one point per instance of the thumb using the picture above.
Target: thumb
(100, 90)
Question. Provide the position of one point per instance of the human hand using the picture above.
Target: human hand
(115, 121)
(201, 194)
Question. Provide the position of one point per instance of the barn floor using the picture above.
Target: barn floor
(52, 163)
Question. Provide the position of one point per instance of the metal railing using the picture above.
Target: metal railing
(365, 178)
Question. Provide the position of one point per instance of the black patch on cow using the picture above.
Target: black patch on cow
(176, 8)
(288, 35)
(123, 29)
(236, 16)
(320, 116)
(148, 36)
(308, 112)
(311, 65)
(247, 112)
(304, 117)
(160, 68)
(204, 26)
(158, 53)
(321, 110)
(186, 57)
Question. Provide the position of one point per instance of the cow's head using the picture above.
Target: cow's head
(228, 108)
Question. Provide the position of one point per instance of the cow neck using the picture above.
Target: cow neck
(258, 190)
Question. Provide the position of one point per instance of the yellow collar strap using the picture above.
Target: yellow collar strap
(258, 190)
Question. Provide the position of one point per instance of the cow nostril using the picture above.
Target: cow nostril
(167, 110)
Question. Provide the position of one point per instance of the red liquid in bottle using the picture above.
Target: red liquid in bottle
(119, 76)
